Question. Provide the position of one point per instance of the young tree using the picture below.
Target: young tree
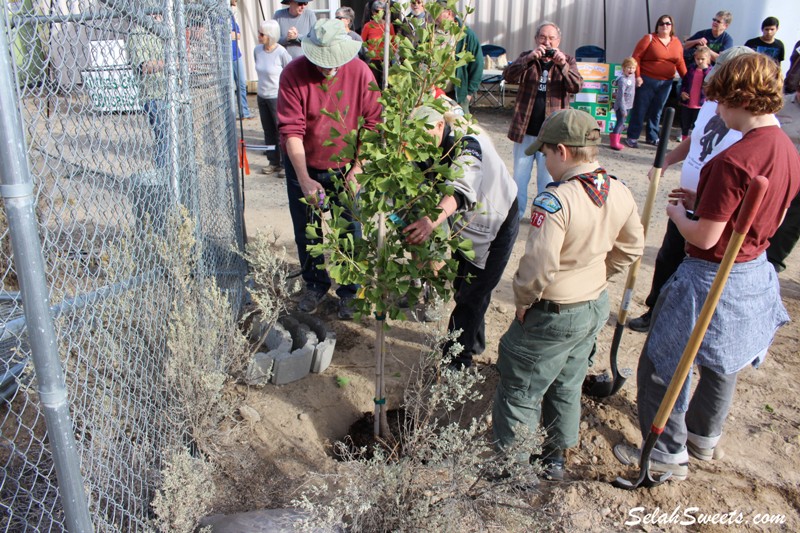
(396, 188)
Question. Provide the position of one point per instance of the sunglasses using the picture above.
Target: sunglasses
(665, 23)
(717, 21)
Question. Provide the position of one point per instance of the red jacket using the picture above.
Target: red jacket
(372, 34)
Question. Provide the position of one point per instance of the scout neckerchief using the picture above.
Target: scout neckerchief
(595, 184)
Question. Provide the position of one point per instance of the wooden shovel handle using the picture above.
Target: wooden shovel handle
(747, 213)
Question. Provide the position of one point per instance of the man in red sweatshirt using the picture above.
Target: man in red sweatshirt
(329, 81)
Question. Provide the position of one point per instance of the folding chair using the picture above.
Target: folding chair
(492, 80)
(590, 53)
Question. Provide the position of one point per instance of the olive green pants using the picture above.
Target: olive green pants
(542, 365)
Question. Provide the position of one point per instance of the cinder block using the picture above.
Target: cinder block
(278, 341)
(259, 369)
(289, 367)
(323, 355)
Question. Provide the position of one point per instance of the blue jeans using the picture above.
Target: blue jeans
(702, 423)
(240, 79)
(523, 168)
(157, 117)
(315, 278)
(473, 291)
(647, 105)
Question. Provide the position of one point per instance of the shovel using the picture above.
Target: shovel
(594, 385)
(750, 204)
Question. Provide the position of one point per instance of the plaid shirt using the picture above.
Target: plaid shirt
(525, 72)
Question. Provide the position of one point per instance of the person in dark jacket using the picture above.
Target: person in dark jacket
(470, 74)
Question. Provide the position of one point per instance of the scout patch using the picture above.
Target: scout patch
(537, 219)
(471, 147)
(547, 201)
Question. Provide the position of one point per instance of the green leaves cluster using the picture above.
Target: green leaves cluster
(394, 189)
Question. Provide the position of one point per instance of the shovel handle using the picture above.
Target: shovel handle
(652, 191)
(663, 140)
(747, 212)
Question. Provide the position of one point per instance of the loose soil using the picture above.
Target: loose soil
(264, 463)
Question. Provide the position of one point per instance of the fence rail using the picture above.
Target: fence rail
(119, 111)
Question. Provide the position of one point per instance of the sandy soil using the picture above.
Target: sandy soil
(265, 463)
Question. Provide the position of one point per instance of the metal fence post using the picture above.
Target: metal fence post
(16, 188)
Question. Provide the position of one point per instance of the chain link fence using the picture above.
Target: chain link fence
(126, 112)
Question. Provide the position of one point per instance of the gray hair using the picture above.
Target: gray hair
(726, 56)
(271, 29)
(547, 23)
(725, 16)
(346, 12)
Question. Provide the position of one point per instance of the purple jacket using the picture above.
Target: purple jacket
(686, 83)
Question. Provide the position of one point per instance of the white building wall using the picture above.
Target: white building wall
(512, 23)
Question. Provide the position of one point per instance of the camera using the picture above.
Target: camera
(550, 52)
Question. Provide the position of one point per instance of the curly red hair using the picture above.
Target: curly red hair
(749, 81)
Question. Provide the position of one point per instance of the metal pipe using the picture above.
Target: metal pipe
(16, 188)
(16, 326)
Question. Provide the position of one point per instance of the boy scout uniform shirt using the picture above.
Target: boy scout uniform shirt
(574, 245)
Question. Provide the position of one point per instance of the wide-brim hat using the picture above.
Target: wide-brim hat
(570, 127)
(328, 45)
(727, 55)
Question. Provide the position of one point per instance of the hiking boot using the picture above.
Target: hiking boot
(629, 456)
(310, 301)
(641, 324)
(273, 170)
(553, 469)
(704, 454)
(346, 308)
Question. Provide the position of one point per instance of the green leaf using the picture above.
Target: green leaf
(342, 381)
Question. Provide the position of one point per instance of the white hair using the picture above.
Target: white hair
(271, 29)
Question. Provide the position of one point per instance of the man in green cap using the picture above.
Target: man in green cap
(584, 228)
(327, 88)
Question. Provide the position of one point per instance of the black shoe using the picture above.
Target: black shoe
(523, 484)
(553, 469)
(653, 142)
(346, 311)
(641, 324)
(310, 301)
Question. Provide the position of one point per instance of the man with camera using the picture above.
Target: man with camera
(546, 77)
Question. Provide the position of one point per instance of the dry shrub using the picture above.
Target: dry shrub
(442, 474)
(205, 345)
(186, 493)
(269, 283)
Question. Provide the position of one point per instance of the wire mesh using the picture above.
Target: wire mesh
(127, 113)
